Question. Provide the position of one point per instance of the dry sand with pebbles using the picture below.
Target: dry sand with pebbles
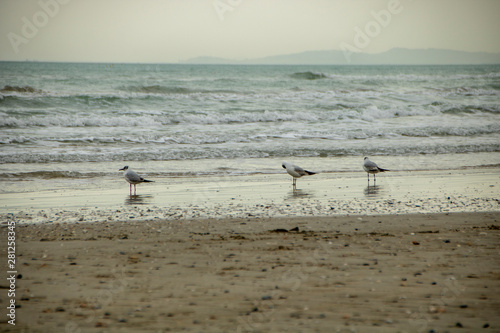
(386, 273)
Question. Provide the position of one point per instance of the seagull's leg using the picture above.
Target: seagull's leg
(130, 189)
(374, 179)
(135, 190)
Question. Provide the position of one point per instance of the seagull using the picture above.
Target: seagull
(296, 171)
(372, 167)
(133, 178)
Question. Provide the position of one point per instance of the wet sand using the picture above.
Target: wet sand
(418, 251)
(385, 273)
(258, 196)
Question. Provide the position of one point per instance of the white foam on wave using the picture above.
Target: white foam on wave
(69, 120)
(154, 119)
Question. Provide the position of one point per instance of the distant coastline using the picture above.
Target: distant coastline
(396, 56)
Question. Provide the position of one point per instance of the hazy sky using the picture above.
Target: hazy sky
(176, 30)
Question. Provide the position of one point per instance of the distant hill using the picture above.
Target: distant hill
(209, 61)
(397, 56)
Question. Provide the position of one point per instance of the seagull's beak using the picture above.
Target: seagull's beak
(121, 169)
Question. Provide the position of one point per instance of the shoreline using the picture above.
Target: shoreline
(390, 273)
(259, 196)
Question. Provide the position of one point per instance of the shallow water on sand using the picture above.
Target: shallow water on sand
(262, 195)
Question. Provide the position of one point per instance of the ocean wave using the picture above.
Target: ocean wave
(166, 90)
(334, 114)
(122, 96)
(18, 139)
(252, 138)
(157, 89)
(159, 153)
(69, 174)
(78, 121)
(50, 175)
(410, 77)
(308, 76)
(462, 91)
(6, 90)
(470, 109)
(108, 97)
(155, 120)
(448, 131)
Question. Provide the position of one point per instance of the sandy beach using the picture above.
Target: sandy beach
(386, 273)
(417, 252)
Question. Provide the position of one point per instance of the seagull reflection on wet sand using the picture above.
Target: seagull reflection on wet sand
(298, 193)
(138, 199)
(373, 191)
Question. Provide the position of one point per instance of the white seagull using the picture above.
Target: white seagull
(133, 178)
(295, 171)
(372, 167)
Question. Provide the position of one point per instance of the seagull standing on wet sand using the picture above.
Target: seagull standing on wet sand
(372, 167)
(133, 178)
(295, 171)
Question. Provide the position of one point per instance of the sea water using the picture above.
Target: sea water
(82, 122)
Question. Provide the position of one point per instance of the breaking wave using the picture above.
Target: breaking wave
(164, 90)
(77, 121)
(334, 113)
(308, 76)
(50, 174)
(17, 89)
(159, 153)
